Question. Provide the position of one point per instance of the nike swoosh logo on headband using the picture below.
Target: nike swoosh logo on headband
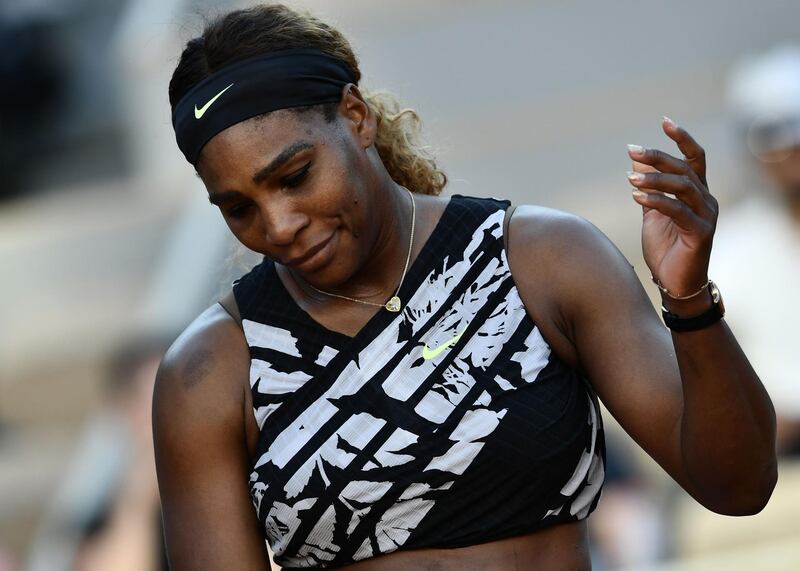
(200, 112)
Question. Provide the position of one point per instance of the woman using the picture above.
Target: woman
(414, 381)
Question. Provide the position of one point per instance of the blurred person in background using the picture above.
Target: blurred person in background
(105, 514)
(757, 249)
(313, 407)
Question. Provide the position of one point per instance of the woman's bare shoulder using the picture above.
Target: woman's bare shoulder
(552, 255)
(209, 360)
(561, 251)
(539, 228)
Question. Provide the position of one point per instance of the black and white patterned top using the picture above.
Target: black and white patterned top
(448, 424)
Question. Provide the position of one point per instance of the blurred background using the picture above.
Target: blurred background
(109, 248)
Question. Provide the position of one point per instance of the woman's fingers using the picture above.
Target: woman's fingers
(657, 175)
(678, 211)
(694, 154)
(682, 186)
(694, 161)
(662, 161)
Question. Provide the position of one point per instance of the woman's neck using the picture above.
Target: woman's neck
(379, 275)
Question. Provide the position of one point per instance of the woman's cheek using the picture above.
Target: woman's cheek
(248, 235)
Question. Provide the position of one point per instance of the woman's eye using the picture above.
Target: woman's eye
(238, 211)
(296, 178)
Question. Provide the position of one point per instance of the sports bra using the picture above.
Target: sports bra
(450, 423)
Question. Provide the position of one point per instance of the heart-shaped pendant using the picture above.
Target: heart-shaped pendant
(393, 304)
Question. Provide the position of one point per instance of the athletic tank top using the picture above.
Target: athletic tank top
(450, 423)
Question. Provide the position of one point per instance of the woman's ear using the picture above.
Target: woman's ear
(359, 116)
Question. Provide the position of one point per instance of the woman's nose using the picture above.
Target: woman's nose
(282, 223)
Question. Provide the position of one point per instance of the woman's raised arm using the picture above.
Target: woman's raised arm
(201, 449)
(690, 399)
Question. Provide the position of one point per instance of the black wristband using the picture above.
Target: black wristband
(679, 324)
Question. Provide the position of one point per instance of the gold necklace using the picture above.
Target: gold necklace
(394, 303)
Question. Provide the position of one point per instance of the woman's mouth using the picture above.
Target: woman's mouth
(314, 257)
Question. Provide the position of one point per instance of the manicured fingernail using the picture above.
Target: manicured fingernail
(639, 194)
(636, 149)
(668, 121)
(635, 176)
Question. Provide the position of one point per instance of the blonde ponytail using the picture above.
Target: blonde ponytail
(409, 163)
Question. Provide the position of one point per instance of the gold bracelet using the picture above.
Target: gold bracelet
(666, 292)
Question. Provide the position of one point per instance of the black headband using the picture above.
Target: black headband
(250, 87)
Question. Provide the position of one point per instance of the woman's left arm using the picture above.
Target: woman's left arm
(690, 399)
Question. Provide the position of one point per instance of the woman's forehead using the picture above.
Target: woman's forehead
(256, 142)
(263, 135)
(275, 128)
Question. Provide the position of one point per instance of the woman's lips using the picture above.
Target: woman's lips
(312, 257)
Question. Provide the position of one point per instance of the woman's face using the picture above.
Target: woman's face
(295, 187)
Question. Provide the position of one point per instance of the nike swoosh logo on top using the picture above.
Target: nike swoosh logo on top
(200, 112)
(429, 354)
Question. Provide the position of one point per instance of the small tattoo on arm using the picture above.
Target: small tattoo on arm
(197, 367)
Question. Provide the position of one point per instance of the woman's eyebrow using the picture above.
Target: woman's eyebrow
(218, 198)
(284, 156)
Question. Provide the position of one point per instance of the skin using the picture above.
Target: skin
(691, 400)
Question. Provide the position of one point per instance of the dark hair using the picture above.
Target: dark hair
(270, 27)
